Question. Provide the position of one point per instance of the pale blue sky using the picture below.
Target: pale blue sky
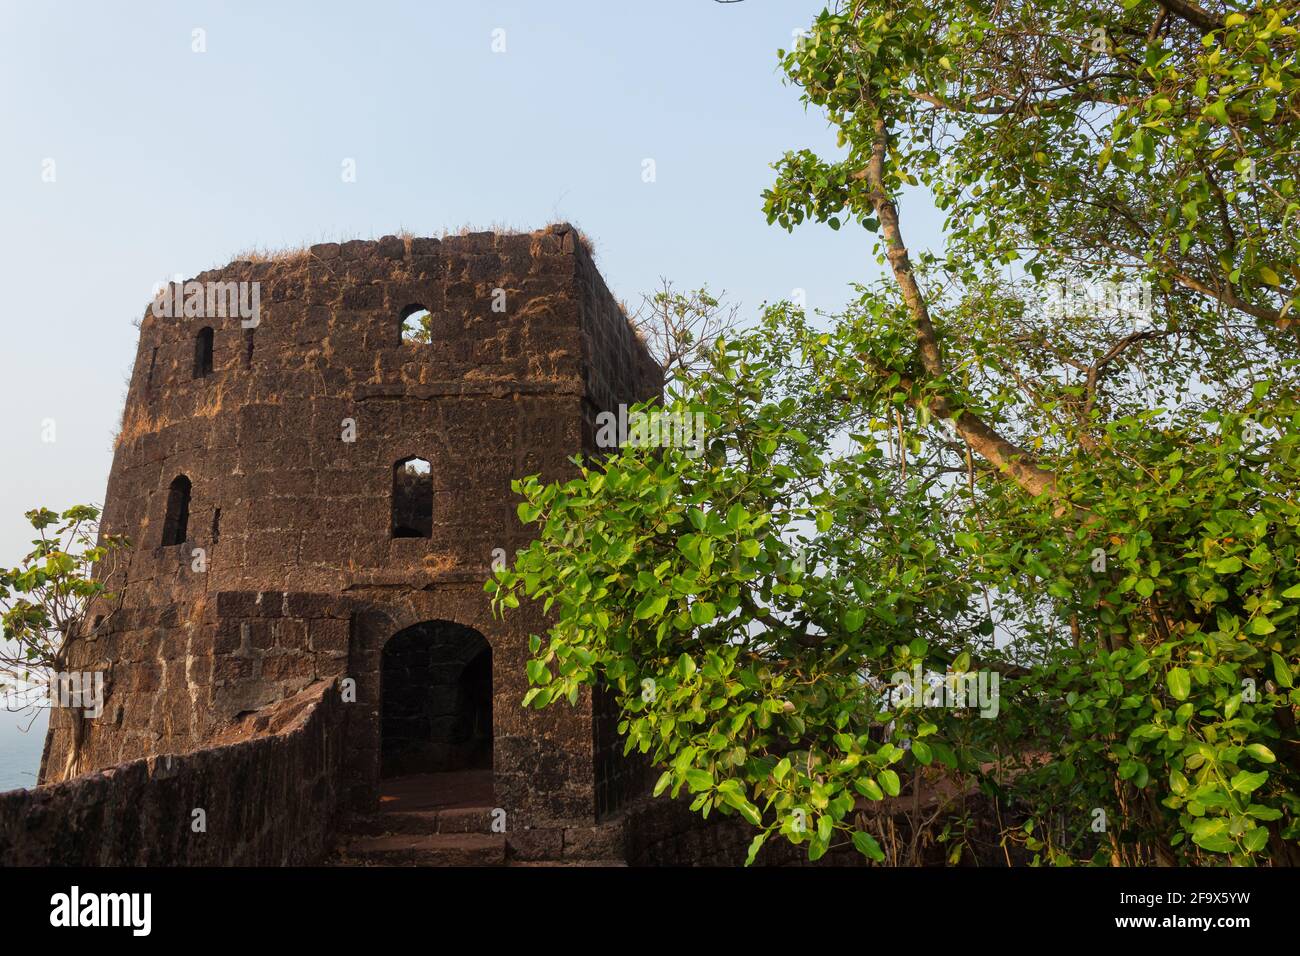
(169, 161)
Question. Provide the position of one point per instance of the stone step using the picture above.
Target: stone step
(459, 820)
(430, 849)
(600, 863)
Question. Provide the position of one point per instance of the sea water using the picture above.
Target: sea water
(22, 737)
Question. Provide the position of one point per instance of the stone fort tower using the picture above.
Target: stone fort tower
(315, 498)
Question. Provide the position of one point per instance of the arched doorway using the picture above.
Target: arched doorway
(436, 713)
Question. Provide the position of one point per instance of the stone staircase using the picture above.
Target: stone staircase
(423, 849)
(454, 837)
(448, 822)
(426, 820)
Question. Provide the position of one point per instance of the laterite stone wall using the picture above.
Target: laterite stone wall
(267, 800)
(289, 573)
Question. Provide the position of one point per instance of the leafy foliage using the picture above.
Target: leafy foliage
(45, 600)
(957, 477)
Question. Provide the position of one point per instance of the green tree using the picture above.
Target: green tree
(981, 465)
(680, 328)
(45, 601)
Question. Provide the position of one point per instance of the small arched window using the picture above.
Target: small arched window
(203, 353)
(412, 499)
(176, 526)
(417, 324)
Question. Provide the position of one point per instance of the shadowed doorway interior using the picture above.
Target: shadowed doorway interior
(436, 692)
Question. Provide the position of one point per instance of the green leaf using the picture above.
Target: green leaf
(866, 844)
(1262, 625)
(1216, 843)
(1261, 753)
(1177, 782)
(699, 780)
(1255, 839)
(1217, 110)
(1281, 671)
(652, 605)
(868, 788)
(686, 665)
(888, 781)
(817, 848)
(744, 808)
(1247, 782)
(1179, 682)
(702, 612)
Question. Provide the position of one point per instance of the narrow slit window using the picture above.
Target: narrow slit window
(417, 324)
(176, 526)
(412, 499)
(203, 353)
(248, 348)
(216, 525)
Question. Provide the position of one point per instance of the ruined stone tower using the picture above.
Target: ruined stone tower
(285, 529)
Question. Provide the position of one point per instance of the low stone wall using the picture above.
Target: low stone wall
(665, 832)
(267, 788)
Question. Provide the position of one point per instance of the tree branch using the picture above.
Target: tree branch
(1193, 14)
(1005, 456)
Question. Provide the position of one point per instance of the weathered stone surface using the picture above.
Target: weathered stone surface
(287, 571)
(390, 247)
(606, 842)
(438, 849)
(536, 844)
(268, 797)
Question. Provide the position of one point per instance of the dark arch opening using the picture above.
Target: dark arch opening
(436, 700)
(412, 499)
(203, 353)
(416, 323)
(176, 525)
